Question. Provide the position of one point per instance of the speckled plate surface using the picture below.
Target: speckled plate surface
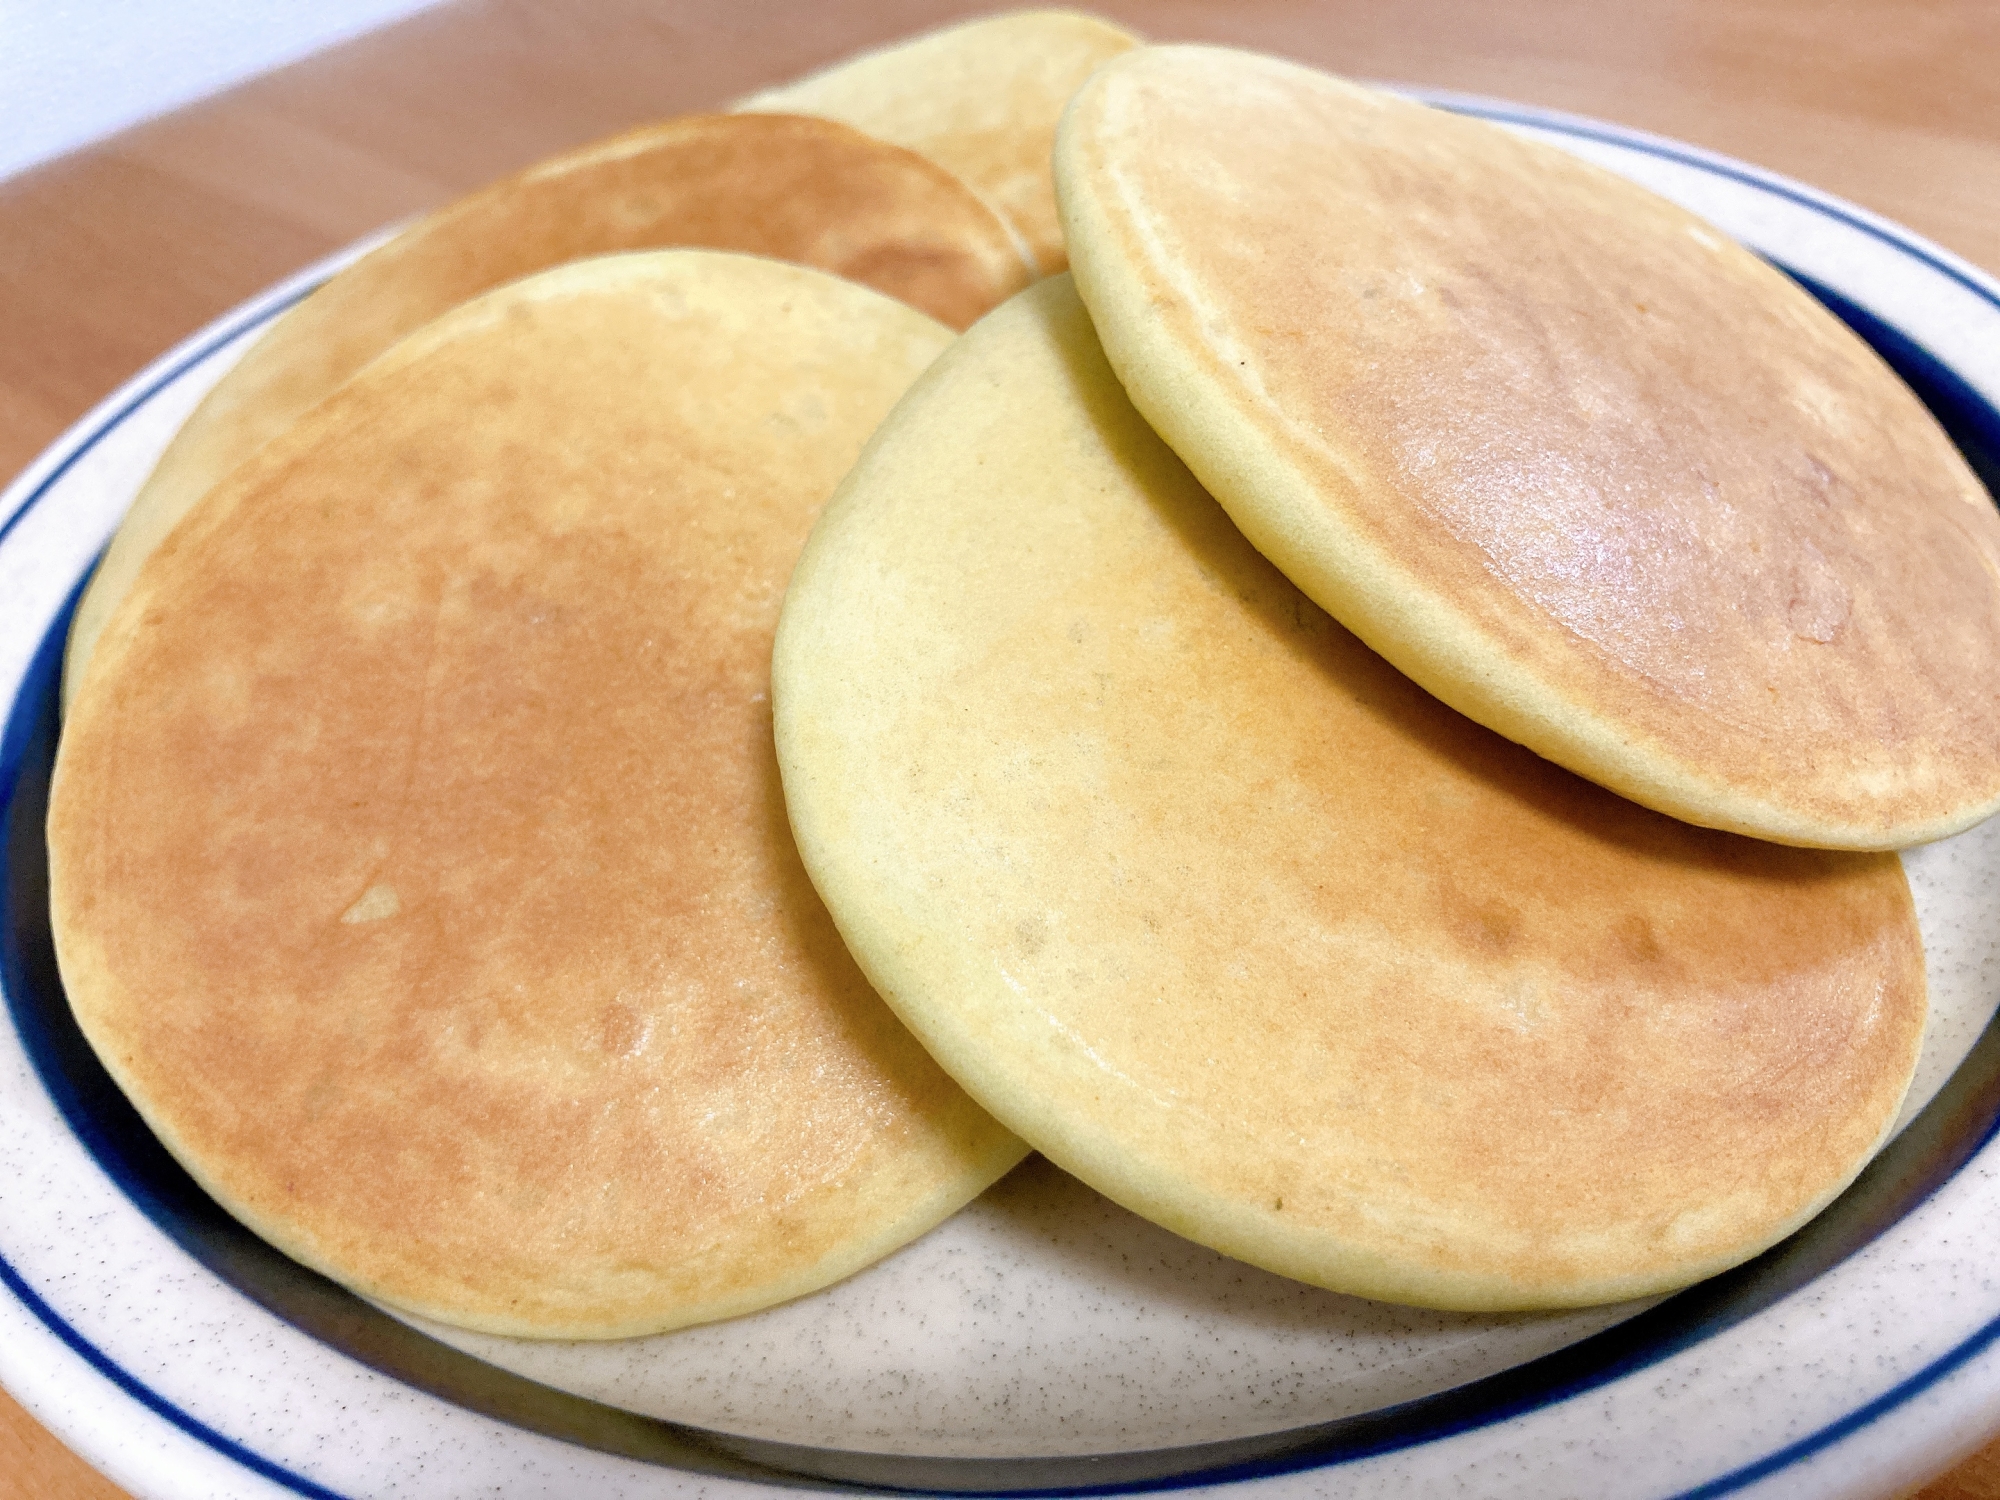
(1044, 1340)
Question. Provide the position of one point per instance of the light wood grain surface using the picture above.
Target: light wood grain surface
(110, 256)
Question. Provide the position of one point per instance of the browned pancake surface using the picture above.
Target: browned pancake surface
(1593, 473)
(809, 191)
(419, 861)
(1230, 919)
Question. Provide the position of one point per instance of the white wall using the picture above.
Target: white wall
(74, 70)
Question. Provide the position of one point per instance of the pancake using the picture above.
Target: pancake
(1588, 471)
(418, 860)
(1231, 920)
(982, 98)
(808, 191)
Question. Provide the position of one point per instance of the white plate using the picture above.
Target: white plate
(1043, 1340)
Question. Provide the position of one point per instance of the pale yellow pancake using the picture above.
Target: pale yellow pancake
(418, 861)
(1230, 919)
(1581, 466)
(981, 97)
(809, 191)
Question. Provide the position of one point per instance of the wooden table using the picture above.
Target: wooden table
(109, 256)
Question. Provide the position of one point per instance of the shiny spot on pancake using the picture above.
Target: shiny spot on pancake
(624, 1030)
(376, 903)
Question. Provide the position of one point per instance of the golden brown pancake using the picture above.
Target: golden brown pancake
(418, 861)
(809, 191)
(981, 97)
(1582, 467)
(1230, 919)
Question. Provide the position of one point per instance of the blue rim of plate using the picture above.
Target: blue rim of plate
(1952, 1129)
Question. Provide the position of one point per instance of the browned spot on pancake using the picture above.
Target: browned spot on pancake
(1486, 926)
(1640, 941)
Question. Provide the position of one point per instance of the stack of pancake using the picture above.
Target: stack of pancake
(1366, 726)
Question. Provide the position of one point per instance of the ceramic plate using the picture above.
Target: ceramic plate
(1044, 1340)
